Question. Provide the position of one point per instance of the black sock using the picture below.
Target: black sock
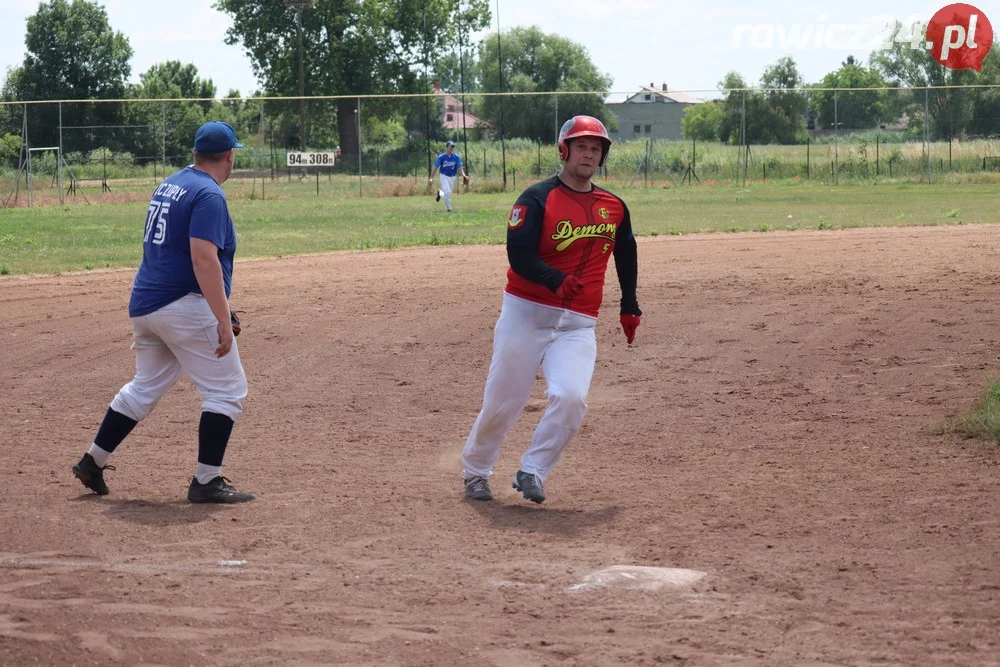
(213, 436)
(114, 429)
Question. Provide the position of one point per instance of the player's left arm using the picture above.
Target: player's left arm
(627, 264)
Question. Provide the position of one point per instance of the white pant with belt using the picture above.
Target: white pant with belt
(528, 335)
(447, 186)
(182, 336)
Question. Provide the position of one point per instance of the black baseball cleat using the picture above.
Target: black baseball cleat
(530, 486)
(478, 488)
(91, 474)
(438, 198)
(218, 490)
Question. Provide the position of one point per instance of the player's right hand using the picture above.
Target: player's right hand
(569, 288)
(225, 331)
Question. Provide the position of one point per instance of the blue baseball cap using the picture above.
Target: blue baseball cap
(449, 143)
(215, 136)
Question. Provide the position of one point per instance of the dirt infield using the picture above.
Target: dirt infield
(775, 426)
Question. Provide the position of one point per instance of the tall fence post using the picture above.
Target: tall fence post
(163, 137)
(745, 149)
(557, 119)
(358, 114)
(27, 150)
(927, 132)
(274, 158)
(836, 143)
(645, 166)
(260, 148)
(59, 160)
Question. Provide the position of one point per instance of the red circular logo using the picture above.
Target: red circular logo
(959, 36)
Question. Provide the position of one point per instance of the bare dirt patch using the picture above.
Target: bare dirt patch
(774, 427)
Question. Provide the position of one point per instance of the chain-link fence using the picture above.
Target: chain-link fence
(387, 145)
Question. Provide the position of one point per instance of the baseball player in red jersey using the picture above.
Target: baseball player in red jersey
(560, 235)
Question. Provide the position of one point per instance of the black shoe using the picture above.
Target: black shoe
(530, 486)
(478, 488)
(91, 474)
(216, 491)
(438, 198)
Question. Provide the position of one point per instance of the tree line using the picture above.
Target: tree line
(781, 108)
(353, 47)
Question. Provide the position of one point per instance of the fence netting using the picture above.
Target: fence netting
(821, 135)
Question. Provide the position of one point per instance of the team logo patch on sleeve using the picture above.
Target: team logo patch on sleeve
(517, 216)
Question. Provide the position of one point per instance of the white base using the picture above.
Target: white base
(637, 577)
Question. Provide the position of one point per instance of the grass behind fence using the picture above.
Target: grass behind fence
(292, 219)
(863, 156)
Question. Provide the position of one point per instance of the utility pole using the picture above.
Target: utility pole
(503, 144)
(299, 5)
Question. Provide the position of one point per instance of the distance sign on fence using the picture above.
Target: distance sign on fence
(295, 159)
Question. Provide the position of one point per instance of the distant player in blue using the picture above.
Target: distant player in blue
(450, 164)
(181, 318)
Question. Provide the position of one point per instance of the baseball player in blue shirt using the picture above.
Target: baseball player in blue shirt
(181, 318)
(449, 164)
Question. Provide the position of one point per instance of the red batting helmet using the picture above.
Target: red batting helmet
(583, 126)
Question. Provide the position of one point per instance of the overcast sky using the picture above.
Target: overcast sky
(688, 45)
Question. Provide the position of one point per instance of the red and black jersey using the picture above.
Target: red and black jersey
(554, 231)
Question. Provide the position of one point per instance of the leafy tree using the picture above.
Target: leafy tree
(11, 115)
(782, 83)
(72, 54)
(856, 110)
(448, 70)
(773, 116)
(534, 62)
(737, 98)
(168, 127)
(950, 111)
(173, 79)
(10, 150)
(350, 47)
(760, 117)
(703, 121)
(985, 119)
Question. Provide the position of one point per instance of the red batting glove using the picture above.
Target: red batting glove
(569, 288)
(629, 324)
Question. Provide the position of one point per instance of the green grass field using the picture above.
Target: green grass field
(293, 219)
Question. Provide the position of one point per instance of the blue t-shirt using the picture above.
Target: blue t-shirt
(448, 164)
(188, 204)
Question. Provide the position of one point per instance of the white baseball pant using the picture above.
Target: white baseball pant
(447, 186)
(528, 335)
(181, 336)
